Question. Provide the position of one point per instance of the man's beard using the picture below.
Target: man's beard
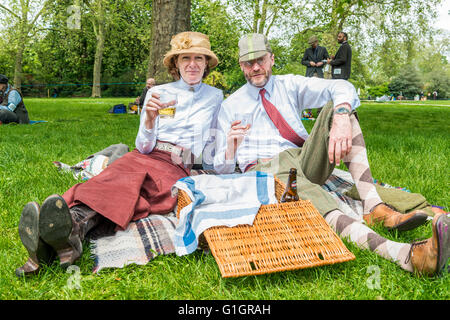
(260, 84)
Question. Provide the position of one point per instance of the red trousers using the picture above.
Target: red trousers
(131, 188)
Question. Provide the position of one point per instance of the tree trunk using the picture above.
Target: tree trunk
(18, 66)
(97, 76)
(169, 18)
(99, 50)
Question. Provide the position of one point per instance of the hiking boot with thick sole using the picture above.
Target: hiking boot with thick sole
(430, 257)
(39, 252)
(393, 220)
(59, 231)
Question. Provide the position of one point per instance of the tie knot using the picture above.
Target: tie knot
(262, 91)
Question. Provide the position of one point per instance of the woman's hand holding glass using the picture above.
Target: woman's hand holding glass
(157, 102)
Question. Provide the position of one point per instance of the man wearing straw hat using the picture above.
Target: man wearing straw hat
(275, 140)
(139, 183)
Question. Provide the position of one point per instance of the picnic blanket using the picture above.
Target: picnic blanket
(154, 235)
(219, 200)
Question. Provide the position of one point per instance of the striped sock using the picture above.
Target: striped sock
(358, 166)
(366, 238)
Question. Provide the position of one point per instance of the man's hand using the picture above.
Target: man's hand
(234, 138)
(340, 142)
(312, 63)
(328, 60)
(152, 107)
(319, 64)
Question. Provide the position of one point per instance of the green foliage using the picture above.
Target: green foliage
(378, 91)
(216, 79)
(440, 82)
(384, 36)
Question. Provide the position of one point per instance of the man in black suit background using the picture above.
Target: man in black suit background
(342, 61)
(313, 58)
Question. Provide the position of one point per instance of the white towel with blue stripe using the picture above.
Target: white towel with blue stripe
(219, 200)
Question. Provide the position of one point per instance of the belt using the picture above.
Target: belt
(169, 147)
(179, 154)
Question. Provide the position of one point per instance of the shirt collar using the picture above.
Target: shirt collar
(183, 85)
(254, 91)
(8, 87)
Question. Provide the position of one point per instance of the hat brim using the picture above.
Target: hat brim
(253, 55)
(213, 61)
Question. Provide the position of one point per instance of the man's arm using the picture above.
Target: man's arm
(340, 140)
(14, 99)
(316, 92)
(305, 60)
(341, 56)
(325, 54)
(146, 138)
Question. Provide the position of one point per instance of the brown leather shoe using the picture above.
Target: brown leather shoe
(430, 257)
(39, 252)
(394, 220)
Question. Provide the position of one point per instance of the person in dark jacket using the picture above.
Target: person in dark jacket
(342, 61)
(313, 58)
(149, 84)
(12, 108)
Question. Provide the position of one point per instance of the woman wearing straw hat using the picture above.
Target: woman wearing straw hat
(139, 183)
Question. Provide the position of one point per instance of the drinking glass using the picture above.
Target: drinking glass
(166, 97)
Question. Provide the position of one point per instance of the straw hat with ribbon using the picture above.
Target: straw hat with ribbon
(190, 42)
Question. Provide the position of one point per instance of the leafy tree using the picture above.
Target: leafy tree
(24, 17)
(407, 83)
(212, 19)
(440, 82)
(378, 91)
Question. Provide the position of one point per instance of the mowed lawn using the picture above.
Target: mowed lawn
(408, 146)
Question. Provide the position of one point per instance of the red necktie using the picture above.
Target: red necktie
(285, 129)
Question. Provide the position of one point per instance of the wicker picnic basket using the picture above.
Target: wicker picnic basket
(284, 236)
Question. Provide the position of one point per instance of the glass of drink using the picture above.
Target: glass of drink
(169, 99)
(245, 118)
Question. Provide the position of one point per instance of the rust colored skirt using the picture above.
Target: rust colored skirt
(131, 188)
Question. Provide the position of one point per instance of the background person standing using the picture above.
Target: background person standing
(341, 63)
(313, 60)
(12, 108)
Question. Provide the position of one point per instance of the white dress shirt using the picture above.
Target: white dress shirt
(290, 94)
(195, 115)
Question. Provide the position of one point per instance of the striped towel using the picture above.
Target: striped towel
(219, 200)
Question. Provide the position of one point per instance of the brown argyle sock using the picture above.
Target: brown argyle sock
(358, 166)
(365, 238)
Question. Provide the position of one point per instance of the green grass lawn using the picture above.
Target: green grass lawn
(408, 146)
